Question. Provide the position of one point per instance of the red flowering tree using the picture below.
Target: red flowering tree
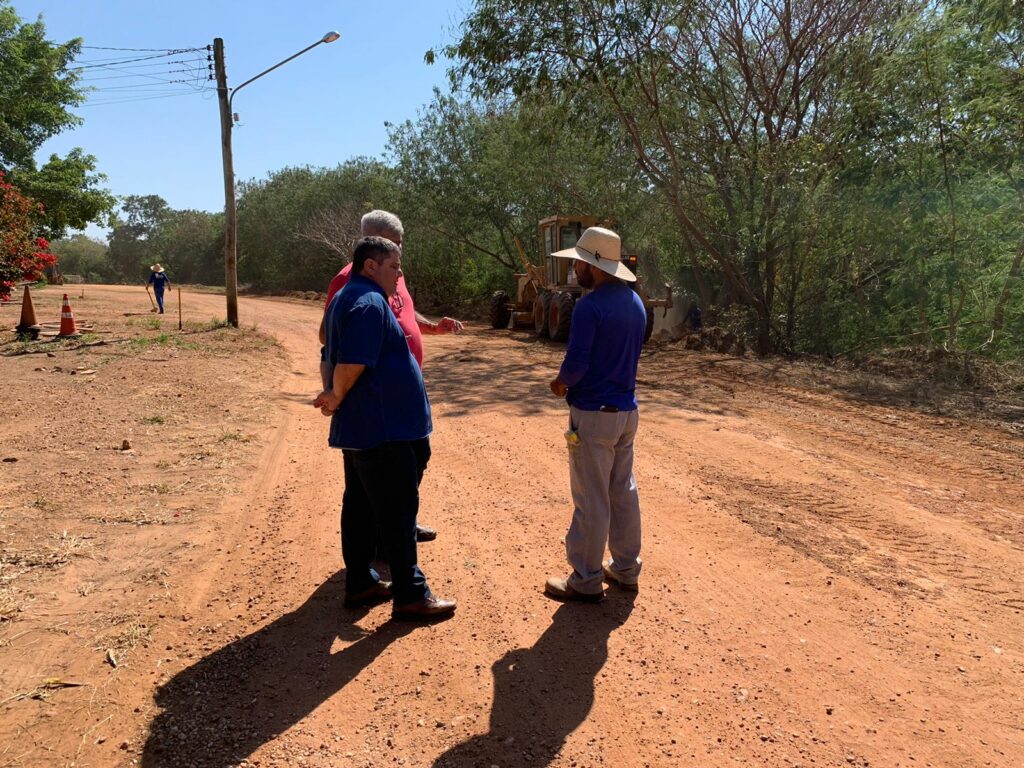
(23, 256)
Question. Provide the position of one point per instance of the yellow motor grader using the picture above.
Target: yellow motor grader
(546, 294)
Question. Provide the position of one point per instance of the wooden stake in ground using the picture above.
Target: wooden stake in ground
(179, 309)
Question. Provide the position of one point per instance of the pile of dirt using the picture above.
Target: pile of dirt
(938, 366)
(707, 339)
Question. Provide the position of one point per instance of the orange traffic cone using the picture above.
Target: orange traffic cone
(27, 326)
(67, 321)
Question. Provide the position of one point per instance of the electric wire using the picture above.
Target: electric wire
(206, 94)
(162, 73)
(104, 48)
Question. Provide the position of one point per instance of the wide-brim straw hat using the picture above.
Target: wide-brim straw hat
(157, 268)
(600, 248)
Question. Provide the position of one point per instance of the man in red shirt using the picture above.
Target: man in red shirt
(413, 324)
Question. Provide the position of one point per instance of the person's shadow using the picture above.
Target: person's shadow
(542, 694)
(221, 709)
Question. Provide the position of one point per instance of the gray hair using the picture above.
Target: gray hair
(381, 224)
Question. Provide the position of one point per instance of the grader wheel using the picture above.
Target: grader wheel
(560, 315)
(650, 324)
(499, 311)
(540, 313)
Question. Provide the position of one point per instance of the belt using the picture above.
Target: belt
(608, 409)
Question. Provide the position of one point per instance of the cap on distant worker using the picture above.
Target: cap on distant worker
(601, 248)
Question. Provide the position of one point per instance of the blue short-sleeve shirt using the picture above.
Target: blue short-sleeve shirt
(605, 339)
(388, 401)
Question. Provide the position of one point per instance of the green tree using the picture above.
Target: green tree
(732, 111)
(292, 226)
(69, 190)
(38, 88)
(475, 176)
(190, 245)
(132, 245)
(85, 256)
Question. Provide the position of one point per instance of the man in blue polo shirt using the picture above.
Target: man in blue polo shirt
(382, 419)
(598, 379)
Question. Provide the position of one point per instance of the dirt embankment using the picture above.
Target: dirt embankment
(830, 578)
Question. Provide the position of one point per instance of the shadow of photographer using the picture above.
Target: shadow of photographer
(544, 693)
(221, 709)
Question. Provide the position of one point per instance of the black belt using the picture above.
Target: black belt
(608, 409)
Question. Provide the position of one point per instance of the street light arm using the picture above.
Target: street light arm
(230, 209)
(271, 69)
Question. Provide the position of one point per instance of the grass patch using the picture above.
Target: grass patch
(152, 420)
(156, 576)
(44, 504)
(85, 588)
(158, 488)
(228, 436)
(9, 607)
(161, 340)
(153, 323)
(126, 638)
(58, 552)
(126, 518)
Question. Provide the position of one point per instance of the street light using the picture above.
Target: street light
(230, 219)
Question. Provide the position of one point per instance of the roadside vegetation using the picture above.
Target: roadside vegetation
(832, 179)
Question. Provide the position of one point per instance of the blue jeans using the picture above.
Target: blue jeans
(382, 498)
(159, 299)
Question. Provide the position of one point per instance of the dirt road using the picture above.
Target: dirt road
(827, 581)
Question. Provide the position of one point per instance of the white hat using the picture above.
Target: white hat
(157, 268)
(601, 248)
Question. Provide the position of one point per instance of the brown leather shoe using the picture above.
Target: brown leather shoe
(560, 590)
(427, 609)
(378, 593)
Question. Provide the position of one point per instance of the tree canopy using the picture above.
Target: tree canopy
(820, 177)
(38, 88)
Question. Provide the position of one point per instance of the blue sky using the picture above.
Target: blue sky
(320, 109)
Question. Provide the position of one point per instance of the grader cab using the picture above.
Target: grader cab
(546, 294)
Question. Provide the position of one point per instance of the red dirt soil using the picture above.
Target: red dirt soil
(828, 579)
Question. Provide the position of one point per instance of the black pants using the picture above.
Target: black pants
(382, 498)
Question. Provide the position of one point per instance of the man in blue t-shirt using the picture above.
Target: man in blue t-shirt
(160, 281)
(381, 418)
(598, 379)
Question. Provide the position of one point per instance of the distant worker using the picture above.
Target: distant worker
(382, 422)
(389, 226)
(598, 379)
(693, 316)
(159, 280)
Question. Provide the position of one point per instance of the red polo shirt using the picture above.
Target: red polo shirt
(401, 305)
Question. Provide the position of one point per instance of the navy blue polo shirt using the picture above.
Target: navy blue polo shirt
(605, 339)
(388, 402)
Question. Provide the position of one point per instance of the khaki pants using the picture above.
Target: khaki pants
(604, 494)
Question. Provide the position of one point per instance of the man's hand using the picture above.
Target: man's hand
(327, 402)
(449, 325)
(558, 388)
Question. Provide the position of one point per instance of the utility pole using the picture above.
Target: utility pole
(230, 225)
